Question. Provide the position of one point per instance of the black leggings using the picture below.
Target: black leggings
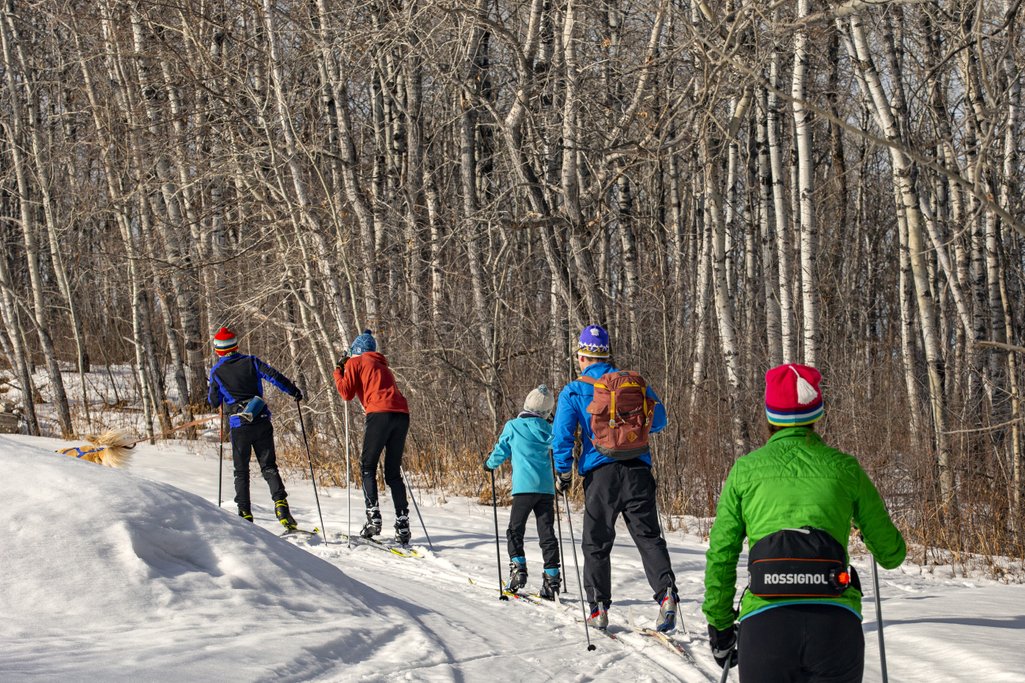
(387, 432)
(802, 644)
(543, 507)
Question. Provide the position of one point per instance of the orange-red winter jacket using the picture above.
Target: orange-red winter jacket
(368, 378)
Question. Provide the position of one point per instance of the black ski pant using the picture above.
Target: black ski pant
(543, 507)
(385, 432)
(801, 643)
(622, 488)
(258, 438)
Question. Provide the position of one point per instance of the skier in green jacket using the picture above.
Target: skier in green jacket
(794, 499)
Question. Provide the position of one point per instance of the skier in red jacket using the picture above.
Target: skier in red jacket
(363, 373)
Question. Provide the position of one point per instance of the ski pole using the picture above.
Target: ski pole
(498, 547)
(348, 482)
(576, 563)
(726, 668)
(313, 477)
(879, 619)
(220, 458)
(416, 507)
(558, 520)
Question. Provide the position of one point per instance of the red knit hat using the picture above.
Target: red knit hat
(792, 395)
(225, 342)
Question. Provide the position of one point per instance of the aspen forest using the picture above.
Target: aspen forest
(726, 185)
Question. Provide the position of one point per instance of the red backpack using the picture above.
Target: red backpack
(620, 414)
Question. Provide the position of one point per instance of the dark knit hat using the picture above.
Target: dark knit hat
(792, 395)
(363, 343)
(594, 342)
(225, 342)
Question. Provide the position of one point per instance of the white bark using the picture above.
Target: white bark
(909, 206)
(806, 187)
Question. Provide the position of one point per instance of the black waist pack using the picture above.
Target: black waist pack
(798, 563)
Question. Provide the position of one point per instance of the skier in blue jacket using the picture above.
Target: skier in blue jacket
(527, 439)
(236, 382)
(611, 488)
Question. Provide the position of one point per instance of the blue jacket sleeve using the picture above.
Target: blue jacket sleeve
(213, 391)
(502, 450)
(276, 378)
(564, 431)
(658, 420)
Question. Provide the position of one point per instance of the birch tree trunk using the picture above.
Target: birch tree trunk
(354, 191)
(926, 305)
(770, 271)
(806, 187)
(788, 336)
(41, 172)
(569, 175)
(723, 304)
(16, 137)
(19, 361)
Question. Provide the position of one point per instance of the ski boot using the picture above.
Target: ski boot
(599, 618)
(667, 611)
(284, 516)
(373, 525)
(517, 574)
(402, 534)
(550, 585)
(245, 513)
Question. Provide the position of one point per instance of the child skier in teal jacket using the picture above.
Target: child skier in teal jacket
(527, 439)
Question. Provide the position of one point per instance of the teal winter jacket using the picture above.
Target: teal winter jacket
(527, 440)
(794, 480)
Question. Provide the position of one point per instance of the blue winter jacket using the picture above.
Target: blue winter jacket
(236, 378)
(527, 439)
(571, 411)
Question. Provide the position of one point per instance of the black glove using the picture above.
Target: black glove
(340, 364)
(564, 481)
(298, 395)
(724, 645)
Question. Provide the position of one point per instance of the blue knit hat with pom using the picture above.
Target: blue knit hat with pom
(363, 343)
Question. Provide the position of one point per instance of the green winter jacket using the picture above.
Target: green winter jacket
(794, 480)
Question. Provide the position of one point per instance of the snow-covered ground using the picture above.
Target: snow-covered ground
(134, 574)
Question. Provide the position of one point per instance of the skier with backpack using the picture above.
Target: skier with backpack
(236, 382)
(527, 439)
(615, 412)
(794, 500)
(363, 373)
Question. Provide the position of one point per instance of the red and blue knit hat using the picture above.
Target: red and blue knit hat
(225, 342)
(594, 342)
(792, 395)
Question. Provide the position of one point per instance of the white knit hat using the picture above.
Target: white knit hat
(540, 401)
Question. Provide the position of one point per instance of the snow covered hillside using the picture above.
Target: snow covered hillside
(134, 574)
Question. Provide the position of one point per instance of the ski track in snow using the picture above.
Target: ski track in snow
(135, 575)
